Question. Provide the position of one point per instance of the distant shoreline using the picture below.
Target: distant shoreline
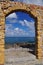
(19, 45)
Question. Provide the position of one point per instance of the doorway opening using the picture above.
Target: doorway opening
(20, 36)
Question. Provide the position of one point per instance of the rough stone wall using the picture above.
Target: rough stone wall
(6, 8)
(42, 31)
(2, 23)
(40, 28)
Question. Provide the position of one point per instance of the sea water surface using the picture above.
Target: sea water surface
(12, 40)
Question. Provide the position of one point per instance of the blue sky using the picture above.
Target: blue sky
(19, 24)
(37, 2)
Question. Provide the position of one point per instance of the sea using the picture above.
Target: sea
(12, 40)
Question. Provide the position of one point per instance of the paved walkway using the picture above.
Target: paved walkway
(20, 56)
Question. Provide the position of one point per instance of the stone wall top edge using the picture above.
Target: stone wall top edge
(29, 5)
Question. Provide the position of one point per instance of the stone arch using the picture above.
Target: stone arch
(9, 7)
(31, 15)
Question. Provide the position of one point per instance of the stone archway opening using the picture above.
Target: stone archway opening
(35, 24)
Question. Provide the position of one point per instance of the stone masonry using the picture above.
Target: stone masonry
(6, 8)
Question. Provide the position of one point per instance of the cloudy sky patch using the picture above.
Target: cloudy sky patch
(13, 15)
(19, 24)
(37, 2)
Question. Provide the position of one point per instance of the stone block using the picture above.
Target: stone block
(39, 32)
(2, 41)
(39, 38)
(2, 23)
(40, 58)
(2, 31)
(2, 45)
(39, 51)
(39, 46)
(2, 58)
(39, 17)
(2, 49)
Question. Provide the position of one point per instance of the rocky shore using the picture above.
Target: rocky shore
(18, 55)
(25, 45)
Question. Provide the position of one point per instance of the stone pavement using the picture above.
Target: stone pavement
(20, 56)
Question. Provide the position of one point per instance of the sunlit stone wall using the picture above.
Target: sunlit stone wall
(2, 24)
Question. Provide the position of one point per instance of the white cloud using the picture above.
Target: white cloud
(9, 33)
(13, 32)
(20, 32)
(16, 32)
(8, 27)
(12, 18)
(28, 24)
(22, 23)
(16, 29)
(8, 30)
(13, 15)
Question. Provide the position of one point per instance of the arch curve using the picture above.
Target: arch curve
(22, 10)
(16, 6)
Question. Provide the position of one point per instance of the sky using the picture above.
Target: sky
(37, 2)
(19, 24)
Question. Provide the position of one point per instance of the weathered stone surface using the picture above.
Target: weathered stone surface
(6, 7)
